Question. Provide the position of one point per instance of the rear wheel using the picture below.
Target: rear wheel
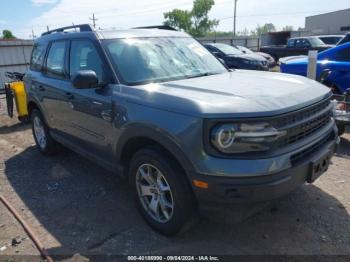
(41, 134)
(162, 194)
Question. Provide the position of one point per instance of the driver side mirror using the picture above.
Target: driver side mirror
(85, 79)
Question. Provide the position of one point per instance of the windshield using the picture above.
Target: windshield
(245, 49)
(316, 41)
(228, 50)
(331, 40)
(147, 60)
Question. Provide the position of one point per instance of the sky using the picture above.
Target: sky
(23, 16)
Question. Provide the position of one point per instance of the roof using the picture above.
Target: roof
(87, 31)
(333, 12)
(130, 33)
(329, 35)
(304, 37)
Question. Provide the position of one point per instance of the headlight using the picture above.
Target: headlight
(244, 137)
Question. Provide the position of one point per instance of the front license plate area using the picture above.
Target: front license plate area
(318, 167)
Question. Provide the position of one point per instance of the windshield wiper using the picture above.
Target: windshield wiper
(201, 74)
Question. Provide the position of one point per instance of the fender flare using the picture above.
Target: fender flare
(158, 135)
(33, 100)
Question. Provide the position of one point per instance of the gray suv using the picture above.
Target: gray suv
(187, 132)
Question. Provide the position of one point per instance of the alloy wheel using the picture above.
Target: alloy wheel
(39, 132)
(154, 193)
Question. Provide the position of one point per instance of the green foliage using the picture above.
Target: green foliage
(7, 34)
(195, 22)
(180, 19)
(288, 28)
(259, 30)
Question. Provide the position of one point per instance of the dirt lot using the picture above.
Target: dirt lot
(76, 207)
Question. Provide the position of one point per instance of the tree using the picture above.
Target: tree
(7, 34)
(180, 19)
(288, 28)
(195, 22)
(259, 30)
(244, 32)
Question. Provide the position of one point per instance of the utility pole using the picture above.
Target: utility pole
(94, 19)
(33, 35)
(234, 19)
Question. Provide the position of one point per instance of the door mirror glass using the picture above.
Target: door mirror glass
(85, 79)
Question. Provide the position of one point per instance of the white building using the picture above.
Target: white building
(337, 22)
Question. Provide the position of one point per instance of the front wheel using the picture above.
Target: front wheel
(162, 194)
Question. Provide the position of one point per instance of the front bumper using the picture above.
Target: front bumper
(233, 191)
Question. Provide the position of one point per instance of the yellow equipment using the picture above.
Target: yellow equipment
(15, 91)
(20, 98)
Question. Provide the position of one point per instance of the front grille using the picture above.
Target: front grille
(303, 123)
(295, 159)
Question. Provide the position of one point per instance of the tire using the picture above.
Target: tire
(179, 194)
(43, 140)
(341, 129)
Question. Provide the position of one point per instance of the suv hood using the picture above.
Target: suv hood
(232, 94)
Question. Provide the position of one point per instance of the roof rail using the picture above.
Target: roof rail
(82, 28)
(163, 27)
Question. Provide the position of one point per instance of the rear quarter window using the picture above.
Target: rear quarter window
(38, 55)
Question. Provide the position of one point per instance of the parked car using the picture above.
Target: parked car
(345, 39)
(341, 103)
(330, 39)
(336, 60)
(235, 58)
(296, 46)
(270, 61)
(187, 132)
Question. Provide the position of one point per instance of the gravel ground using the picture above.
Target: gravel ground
(76, 207)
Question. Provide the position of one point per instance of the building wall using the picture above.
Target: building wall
(14, 57)
(329, 23)
(250, 42)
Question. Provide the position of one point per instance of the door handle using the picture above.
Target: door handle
(97, 103)
(41, 88)
(69, 95)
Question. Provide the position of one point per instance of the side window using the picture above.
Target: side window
(343, 55)
(37, 58)
(306, 43)
(210, 48)
(291, 43)
(299, 43)
(55, 63)
(84, 56)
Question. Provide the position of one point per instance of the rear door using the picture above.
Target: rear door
(55, 86)
(34, 78)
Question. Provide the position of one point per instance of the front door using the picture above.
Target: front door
(92, 116)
